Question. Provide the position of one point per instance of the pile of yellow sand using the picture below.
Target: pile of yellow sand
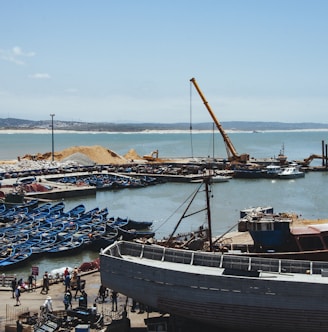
(132, 155)
(97, 154)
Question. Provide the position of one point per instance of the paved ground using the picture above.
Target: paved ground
(31, 302)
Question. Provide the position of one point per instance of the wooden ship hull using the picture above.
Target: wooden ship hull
(224, 291)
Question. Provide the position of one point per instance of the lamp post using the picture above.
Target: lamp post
(52, 136)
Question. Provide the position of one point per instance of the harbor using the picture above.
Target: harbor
(234, 195)
(164, 167)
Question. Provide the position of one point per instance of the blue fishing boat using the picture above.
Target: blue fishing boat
(34, 239)
(110, 236)
(91, 212)
(6, 251)
(138, 225)
(47, 242)
(132, 234)
(2, 208)
(67, 246)
(117, 222)
(19, 256)
(57, 208)
(76, 211)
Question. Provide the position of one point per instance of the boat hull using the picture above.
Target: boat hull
(241, 302)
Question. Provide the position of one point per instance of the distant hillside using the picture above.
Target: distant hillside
(11, 123)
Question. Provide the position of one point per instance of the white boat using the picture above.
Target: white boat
(291, 172)
(225, 291)
(220, 178)
(272, 171)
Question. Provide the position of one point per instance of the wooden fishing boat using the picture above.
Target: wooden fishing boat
(47, 242)
(134, 224)
(66, 246)
(57, 208)
(19, 256)
(223, 291)
(108, 238)
(76, 211)
(29, 204)
(132, 234)
(117, 222)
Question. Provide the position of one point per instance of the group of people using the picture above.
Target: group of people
(16, 290)
(103, 294)
(17, 286)
(74, 281)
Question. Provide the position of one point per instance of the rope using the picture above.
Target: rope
(190, 125)
(177, 209)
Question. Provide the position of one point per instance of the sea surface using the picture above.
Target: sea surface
(164, 204)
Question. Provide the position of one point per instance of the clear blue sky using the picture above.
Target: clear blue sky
(131, 60)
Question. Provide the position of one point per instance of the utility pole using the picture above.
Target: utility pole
(52, 137)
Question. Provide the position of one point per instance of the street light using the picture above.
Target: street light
(52, 136)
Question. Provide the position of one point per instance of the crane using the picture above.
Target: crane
(231, 151)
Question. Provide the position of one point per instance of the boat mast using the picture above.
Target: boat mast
(209, 221)
(206, 182)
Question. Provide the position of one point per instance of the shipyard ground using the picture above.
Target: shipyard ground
(33, 300)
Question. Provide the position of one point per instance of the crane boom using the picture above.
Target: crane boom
(232, 153)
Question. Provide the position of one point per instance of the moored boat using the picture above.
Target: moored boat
(19, 256)
(66, 246)
(291, 172)
(131, 234)
(284, 235)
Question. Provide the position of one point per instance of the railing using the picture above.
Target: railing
(5, 280)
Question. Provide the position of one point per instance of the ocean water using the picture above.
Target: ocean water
(164, 204)
(296, 144)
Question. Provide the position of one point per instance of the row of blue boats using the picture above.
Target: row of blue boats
(28, 230)
(110, 181)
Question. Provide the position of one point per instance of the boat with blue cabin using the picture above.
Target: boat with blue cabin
(284, 235)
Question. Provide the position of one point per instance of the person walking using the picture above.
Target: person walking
(48, 305)
(17, 295)
(102, 293)
(67, 282)
(69, 294)
(78, 284)
(66, 272)
(13, 286)
(66, 300)
(30, 282)
(114, 300)
(45, 283)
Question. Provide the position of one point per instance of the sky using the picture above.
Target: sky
(131, 61)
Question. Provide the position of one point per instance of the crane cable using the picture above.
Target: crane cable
(190, 124)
